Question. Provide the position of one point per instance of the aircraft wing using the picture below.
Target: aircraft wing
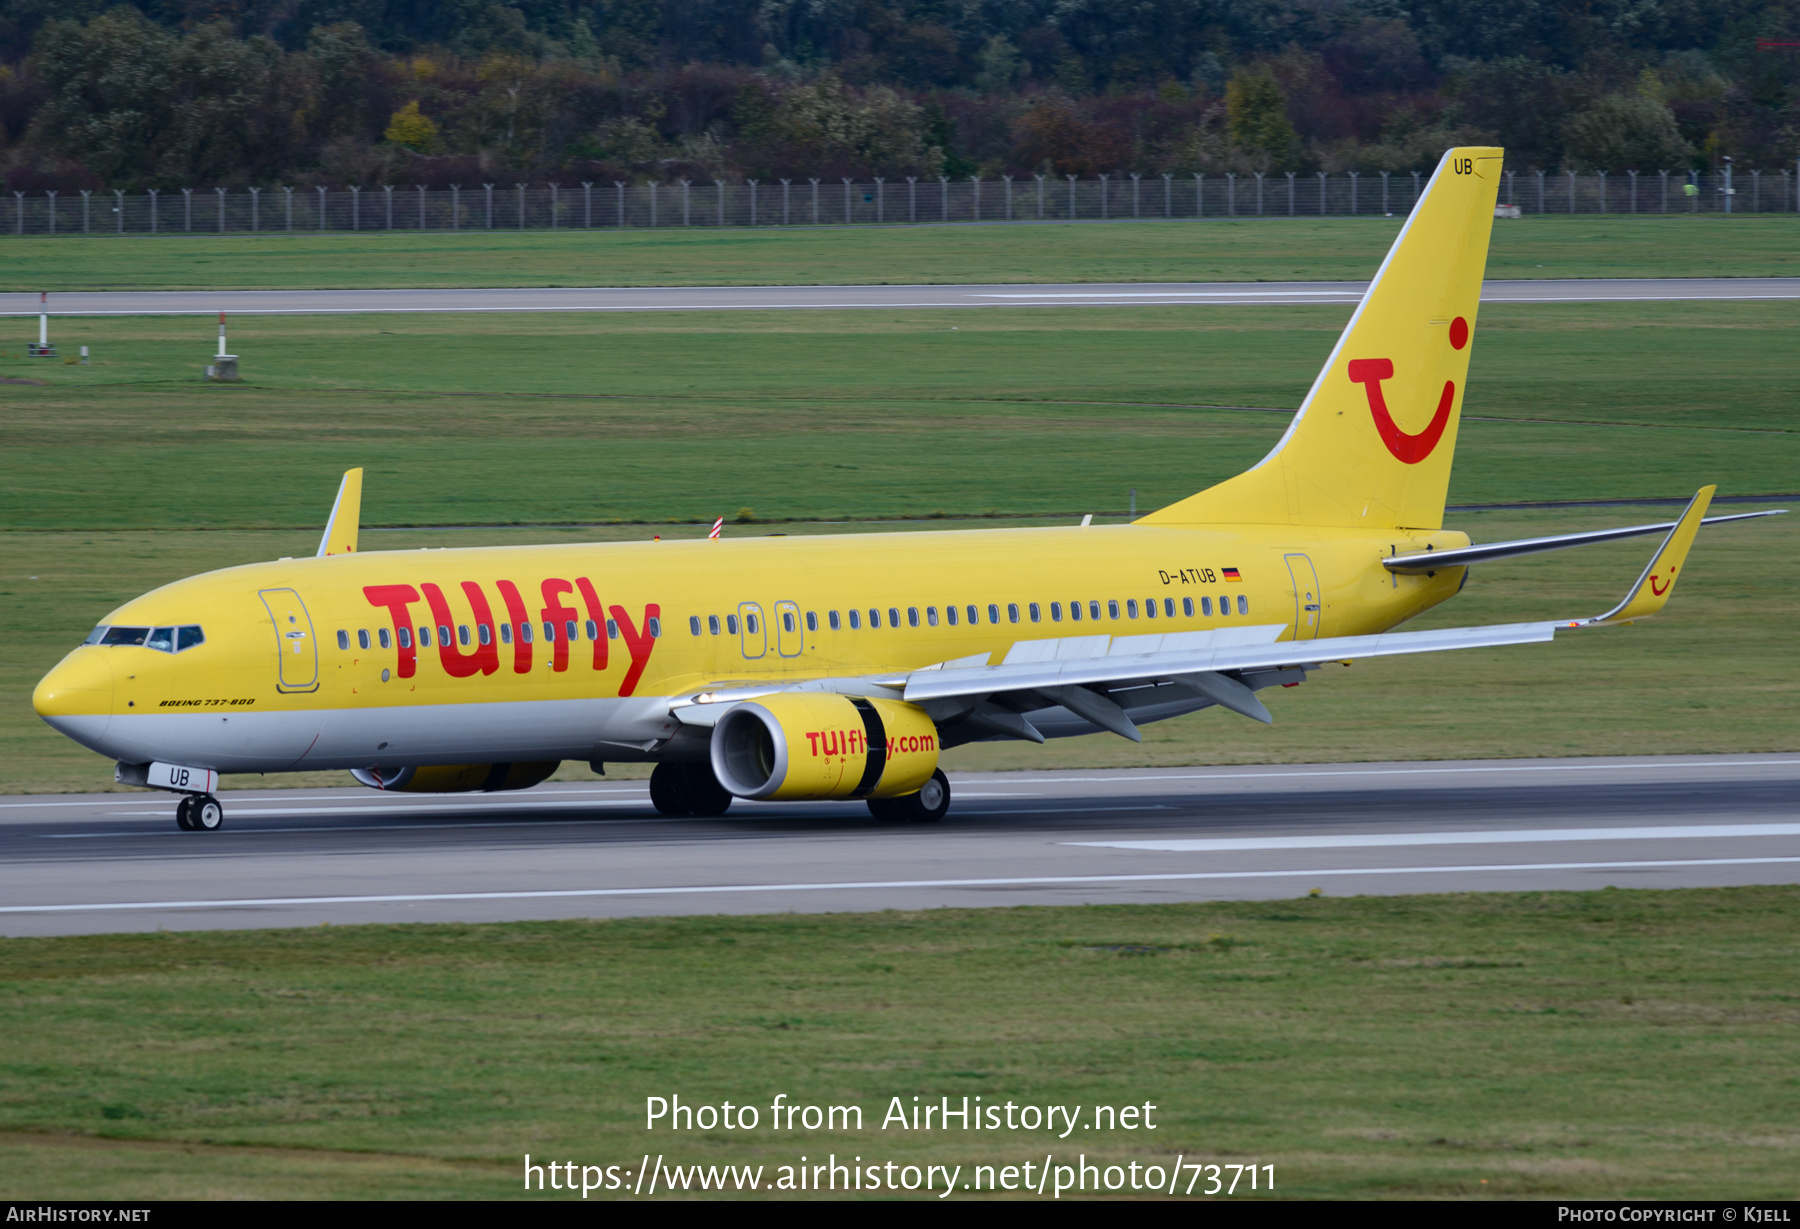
(1092, 676)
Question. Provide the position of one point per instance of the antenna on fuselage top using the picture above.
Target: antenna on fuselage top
(346, 516)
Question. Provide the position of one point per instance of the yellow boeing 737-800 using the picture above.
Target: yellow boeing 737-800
(840, 667)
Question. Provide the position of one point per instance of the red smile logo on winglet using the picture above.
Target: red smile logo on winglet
(1407, 449)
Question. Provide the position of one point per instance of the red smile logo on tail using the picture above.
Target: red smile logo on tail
(1407, 449)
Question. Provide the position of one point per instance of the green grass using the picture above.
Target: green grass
(129, 473)
(1603, 1044)
(1275, 249)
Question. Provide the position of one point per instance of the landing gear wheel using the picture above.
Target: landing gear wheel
(669, 791)
(705, 796)
(925, 807)
(206, 814)
(184, 813)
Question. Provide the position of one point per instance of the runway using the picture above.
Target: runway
(116, 862)
(790, 298)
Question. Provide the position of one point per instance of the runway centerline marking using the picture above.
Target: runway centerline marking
(1373, 840)
(878, 885)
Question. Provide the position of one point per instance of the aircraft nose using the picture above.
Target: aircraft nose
(78, 692)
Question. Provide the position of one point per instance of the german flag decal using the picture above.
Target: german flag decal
(1231, 574)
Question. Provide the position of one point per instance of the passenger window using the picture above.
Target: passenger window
(1012, 612)
(1075, 612)
(444, 635)
(484, 633)
(1206, 606)
(931, 616)
(1056, 612)
(812, 621)
(974, 616)
(612, 629)
(568, 631)
(1112, 608)
(549, 632)
(462, 634)
(833, 620)
(1150, 608)
(506, 633)
(1243, 604)
(712, 624)
(1130, 608)
(893, 617)
(730, 625)
(950, 615)
(405, 635)
(750, 624)
(343, 640)
(1187, 606)
(993, 613)
(912, 616)
(874, 617)
(693, 625)
(1037, 616)
(424, 637)
(593, 628)
(1169, 607)
(787, 620)
(655, 625)
(381, 637)
(1094, 611)
(362, 637)
(855, 620)
(525, 633)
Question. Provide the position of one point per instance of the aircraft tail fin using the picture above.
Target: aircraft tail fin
(1372, 443)
(346, 517)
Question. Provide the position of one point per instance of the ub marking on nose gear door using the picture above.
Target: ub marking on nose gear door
(295, 645)
(1308, 601)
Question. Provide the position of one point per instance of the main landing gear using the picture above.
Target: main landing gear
(925, 807)
(688, 789)
(199, 813)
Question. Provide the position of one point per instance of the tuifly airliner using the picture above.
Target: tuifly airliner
(842, 667)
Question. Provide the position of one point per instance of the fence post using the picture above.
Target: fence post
(1728, 188)
(785, 200)
(1415, 195)
(752, 184)
(1231, 194)
(1321, 175)
(1040, 183)
(1633, 175)
(846, 199)
(1540, 179)
(153, 193)
(1259, 191)
(255, 210)
(355, 207)
(815, 200)
(52, 197)
(387, 205)
(18, 213)
(1694, 200)
(1385, 211)
(289, 193)
(1071, 198)
(1511, 196)
(912, 198)
(1602, 178)
(587, 205)
(1134, 193)
(187, 210)
(221, 193)
(686, 219)
(420, 189)
(721, 186)
(1354, 175)
(1665, 190)
(455, 206)
(118, 208)
(321, 208)
(621, 188)
(652, 204)
(1007, 180)
(1571, 193)
(1199, 194)
(1103, 201)
(1168, 195)
(488, 189)
(87, 198)
(880, 200)
(976, 180)
(1290, 176)
(555, 204)
(944, 197)
(1755, 191)
(521, 188)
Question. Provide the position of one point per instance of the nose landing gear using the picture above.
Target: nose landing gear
(199, 813)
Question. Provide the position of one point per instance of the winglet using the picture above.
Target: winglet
(1658, 581)
(346, 516)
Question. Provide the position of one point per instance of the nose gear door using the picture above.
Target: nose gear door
(296, 647)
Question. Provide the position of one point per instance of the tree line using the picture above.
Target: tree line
(235, 92)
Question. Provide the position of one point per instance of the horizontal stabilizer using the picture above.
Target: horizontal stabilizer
(1429, 561)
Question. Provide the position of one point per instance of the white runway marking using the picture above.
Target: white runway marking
(1396, 772)
(1376, 840)
(879, 885)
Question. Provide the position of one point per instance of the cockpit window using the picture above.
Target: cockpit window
(161, 638)
(188, 637)
(96, 636)
(125, 635)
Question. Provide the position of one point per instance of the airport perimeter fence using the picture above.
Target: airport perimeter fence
(839, 202)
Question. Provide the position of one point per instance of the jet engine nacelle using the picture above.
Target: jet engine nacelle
(455, 778)
(811, 745)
